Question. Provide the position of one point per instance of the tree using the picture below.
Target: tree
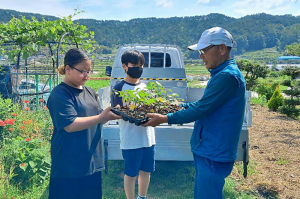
(293, 49)
(20, 38)
(276, 100)
(290, 104)
(242, 44)
(257, 41)
(253, 72)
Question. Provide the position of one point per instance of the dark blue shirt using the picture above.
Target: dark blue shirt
(75, 154)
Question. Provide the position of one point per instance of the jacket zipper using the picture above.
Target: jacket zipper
(201, 134)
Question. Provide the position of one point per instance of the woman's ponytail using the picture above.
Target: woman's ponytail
(61, 70)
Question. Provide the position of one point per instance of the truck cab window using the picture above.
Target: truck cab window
(157, 59)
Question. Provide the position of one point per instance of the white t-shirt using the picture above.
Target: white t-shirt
(132, 136)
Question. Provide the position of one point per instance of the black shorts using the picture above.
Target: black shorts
(89, 187)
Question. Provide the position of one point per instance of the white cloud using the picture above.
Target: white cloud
(164, 3)
(261, 4)
(246, 7)
(203, 1)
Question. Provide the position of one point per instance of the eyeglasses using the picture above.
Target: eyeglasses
(202, 52)
(83, 72)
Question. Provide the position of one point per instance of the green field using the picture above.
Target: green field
(196, 69)
(191, 70)
(96, 84)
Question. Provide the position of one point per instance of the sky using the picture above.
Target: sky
(124, 10)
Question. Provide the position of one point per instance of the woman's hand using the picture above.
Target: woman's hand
(107, 115)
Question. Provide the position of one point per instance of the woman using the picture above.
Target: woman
(76, 148)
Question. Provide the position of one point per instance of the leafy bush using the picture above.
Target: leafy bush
(261, 100)
(274, 74)
(25, 143)
(266, 88)
(289, 111)
(292, 71)
(6, 106)
(29, 159)
(276, 100)
(253, 72)
(290, 107)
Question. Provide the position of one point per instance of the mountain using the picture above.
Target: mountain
(6, 15)
(252, 32)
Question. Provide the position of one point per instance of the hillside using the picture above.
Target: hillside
(6, 15)
(252, 32)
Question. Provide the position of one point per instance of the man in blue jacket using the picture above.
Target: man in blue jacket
(218, 115)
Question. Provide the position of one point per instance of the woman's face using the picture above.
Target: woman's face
(79, 73)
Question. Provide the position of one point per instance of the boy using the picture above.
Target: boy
(137, 142)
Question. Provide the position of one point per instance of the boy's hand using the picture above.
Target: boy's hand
(118, 106)
(155, 119)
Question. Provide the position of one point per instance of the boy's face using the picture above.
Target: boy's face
(134, 71)
(129, 65)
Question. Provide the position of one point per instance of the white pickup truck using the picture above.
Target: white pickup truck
(163, 63)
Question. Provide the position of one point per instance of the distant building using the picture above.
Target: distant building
(288, 60)
(284, 61)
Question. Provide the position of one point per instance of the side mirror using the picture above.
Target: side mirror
(108, 71)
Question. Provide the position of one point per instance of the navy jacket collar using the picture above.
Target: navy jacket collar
(221, 66)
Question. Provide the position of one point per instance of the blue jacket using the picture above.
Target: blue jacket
(218, 115)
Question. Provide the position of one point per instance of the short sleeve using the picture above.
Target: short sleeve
(62, 111)
(115, 98)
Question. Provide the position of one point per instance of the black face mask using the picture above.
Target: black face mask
(135, 72)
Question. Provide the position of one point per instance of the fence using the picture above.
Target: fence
(27, 86)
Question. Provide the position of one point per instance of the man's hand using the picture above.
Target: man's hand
(155, 119)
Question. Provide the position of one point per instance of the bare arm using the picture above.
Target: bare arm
(81, 123)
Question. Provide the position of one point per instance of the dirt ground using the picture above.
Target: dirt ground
(274, 143)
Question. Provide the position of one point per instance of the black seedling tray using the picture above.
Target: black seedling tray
(125, 117)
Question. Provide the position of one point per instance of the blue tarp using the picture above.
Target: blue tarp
(288, 58)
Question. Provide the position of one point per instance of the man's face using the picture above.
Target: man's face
(211, 56)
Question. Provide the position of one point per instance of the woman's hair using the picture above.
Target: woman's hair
(73, 57)
(134, 57)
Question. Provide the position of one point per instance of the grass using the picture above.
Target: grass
(99, 73)
(261, 100)
(239, 168)
(171, 180)
(266, 55)
(282, 161)
(191, 70)
(96, 84)
(11, 191)
(195, 84)
(196, 69)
